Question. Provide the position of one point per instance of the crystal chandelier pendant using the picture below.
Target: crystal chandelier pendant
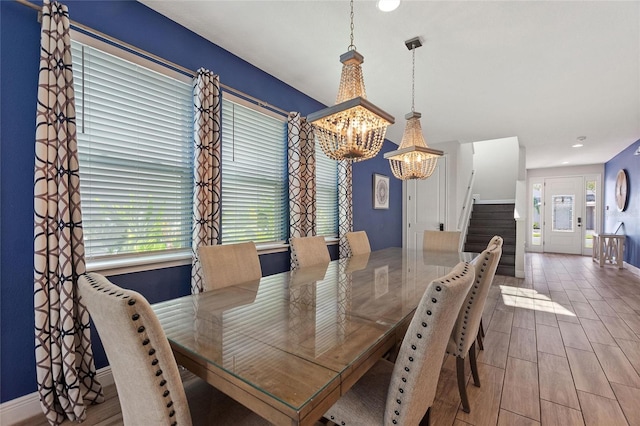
(413, 159)
(354, 128)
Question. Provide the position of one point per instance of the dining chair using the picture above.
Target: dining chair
(466, 329)
(402, 393)
(144, 369)
(497, 241)
(358, 242)
(229, 264)
(448, 241)
(308, 251)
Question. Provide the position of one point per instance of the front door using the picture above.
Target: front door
(426, 204)
(563, 221)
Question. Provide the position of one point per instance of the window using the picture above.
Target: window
(536, 229)
(254, 173)
(326, 194)
(135, 149)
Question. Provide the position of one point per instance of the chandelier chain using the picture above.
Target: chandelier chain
(413, 80)
(351, 46)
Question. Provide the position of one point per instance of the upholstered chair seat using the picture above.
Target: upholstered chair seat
(358, 242)
(448, 241)
(229, 264)
(402, 393)
(144, 369)
(466, 329)
(308, 251)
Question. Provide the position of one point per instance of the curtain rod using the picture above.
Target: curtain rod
(160, 60)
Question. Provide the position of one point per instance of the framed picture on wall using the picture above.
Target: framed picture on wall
(380, 191)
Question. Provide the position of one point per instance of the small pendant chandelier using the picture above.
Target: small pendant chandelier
(353, 129)
(413, 159)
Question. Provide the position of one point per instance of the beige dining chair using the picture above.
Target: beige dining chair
(144, 369)
(495, 241)
(358, 242)
(466, 329)
(448, 241)
(402, 393)
(308, 251)
(229, 264)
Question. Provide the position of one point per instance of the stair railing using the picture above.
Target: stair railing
(465, 213)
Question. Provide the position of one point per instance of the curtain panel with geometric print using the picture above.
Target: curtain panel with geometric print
(64, 361)
(207, 99)
(345, 205)
(301, 164)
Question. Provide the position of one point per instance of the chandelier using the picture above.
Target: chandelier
(353, 129)
(413, 159)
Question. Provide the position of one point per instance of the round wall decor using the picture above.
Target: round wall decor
(622, 190)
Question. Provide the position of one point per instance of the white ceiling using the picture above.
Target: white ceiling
(546, 72)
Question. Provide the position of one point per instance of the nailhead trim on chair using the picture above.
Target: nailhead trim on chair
(414, 347)
(144, 340)
(460, 353)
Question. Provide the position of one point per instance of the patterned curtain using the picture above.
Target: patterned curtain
(345, 205)
(302, 177)
(207, 100)
(64, 362)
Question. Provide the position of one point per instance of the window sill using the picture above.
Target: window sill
(150, 262)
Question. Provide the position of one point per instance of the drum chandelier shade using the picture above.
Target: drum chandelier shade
(354, 128)
(413, 159)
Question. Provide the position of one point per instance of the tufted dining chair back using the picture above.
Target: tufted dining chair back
(402, 393)
(358, 242)
(448, 241)
(466, 329)
(496, 240)
(224, 265)
(417, 368)
(308, 251)
(144, 368)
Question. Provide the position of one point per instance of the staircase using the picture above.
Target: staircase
(488, 220)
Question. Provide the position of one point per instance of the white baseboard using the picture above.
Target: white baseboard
(632, 268)
(28, 406)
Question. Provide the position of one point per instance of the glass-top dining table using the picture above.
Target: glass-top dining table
(287, 346)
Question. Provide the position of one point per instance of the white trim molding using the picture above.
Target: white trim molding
(28, 406)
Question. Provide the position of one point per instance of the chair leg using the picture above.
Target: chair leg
(480, 339)
(474, 365)
(461, 384)
(425, 418)
(481, 328)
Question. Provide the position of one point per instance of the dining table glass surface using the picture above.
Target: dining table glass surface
(297, 336)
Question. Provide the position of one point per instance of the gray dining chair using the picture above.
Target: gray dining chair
(358, 242)
(144, 369)
(466, 329)
(447, 241)
(308, 251)
(224, 265)
(402, 393)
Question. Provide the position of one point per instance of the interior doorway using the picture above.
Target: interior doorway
(426, 205)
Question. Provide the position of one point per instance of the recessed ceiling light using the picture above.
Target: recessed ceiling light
(565, 162)
(388, 5)
(577, 145)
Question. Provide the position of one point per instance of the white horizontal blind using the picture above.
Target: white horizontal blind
(254, 175)
(135, 132)
(326, 194)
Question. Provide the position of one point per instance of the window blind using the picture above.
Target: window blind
(135, 130)
(326, 194)
(254, 174)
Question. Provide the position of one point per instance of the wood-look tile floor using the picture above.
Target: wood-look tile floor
(562, 347)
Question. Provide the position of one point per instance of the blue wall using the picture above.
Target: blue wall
(135, 24)
(631, 216)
